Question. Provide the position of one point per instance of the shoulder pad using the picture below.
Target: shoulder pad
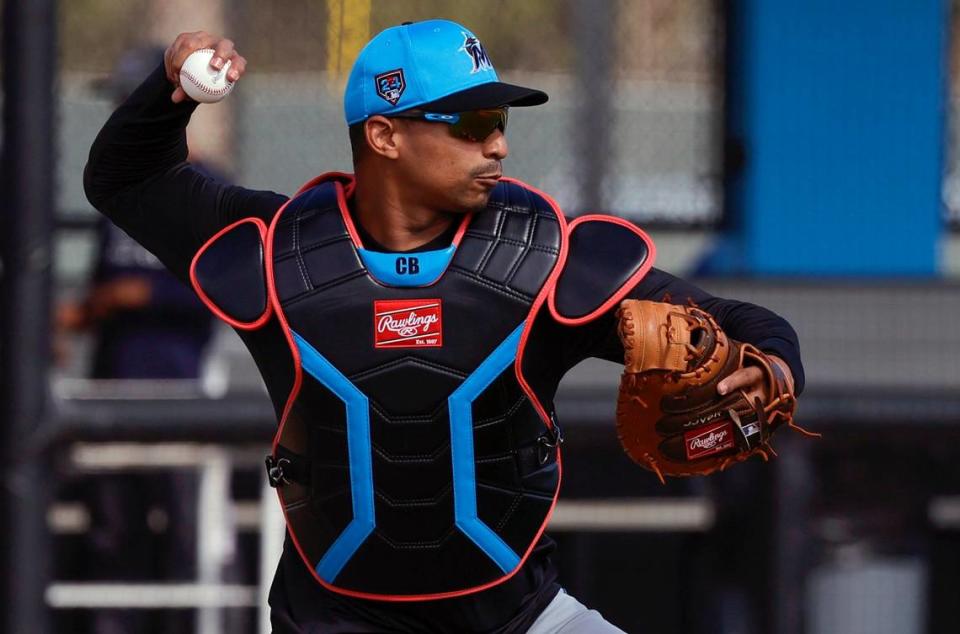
(229, 276)
(606, 257)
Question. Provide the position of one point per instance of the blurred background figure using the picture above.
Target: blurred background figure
(145, 325)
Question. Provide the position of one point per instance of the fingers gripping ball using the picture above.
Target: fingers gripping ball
(201, 81)
(670, 418)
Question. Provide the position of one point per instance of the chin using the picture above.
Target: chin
(477, 203)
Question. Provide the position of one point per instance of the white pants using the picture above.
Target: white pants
(566, 615)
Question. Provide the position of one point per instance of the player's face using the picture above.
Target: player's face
(450, 173)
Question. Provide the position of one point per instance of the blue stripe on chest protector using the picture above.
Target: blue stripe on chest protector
(360, 455)
(461, 447)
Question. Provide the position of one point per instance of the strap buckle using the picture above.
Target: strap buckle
(550, 440)
(276, 474)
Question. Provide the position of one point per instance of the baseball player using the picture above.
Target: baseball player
(411, 321)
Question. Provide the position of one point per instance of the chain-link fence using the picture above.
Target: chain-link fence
(951, 180)
(632, 125)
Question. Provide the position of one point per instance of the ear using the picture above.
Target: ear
(381, 134)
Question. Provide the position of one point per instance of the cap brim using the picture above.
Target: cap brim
(489, 95)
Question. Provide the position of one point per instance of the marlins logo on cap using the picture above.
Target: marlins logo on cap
(478, 54)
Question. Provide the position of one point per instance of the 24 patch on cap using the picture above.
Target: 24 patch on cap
(390, 85)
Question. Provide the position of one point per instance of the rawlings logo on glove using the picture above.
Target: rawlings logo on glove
(705, 443)
(670, 417)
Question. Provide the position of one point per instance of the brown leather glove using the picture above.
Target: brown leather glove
(670, 417)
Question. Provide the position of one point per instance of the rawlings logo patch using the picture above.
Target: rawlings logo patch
(390, 85)
(709, 441)
(407, 323)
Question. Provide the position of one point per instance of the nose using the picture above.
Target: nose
(495, 146)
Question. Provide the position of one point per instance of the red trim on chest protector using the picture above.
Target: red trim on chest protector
(349, 184)
(625, 288)
(252, 325)
(273, 297)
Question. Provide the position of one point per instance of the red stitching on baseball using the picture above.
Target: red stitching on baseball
(196, 82)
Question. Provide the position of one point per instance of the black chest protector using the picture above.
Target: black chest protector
(413, 461)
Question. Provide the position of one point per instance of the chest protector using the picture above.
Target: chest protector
(413, 461)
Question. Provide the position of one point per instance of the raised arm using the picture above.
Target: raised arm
(138, 175)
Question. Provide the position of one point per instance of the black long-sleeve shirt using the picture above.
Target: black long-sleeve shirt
(138, 176)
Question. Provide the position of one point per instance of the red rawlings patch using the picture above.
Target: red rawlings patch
(407, 323)
(708, 441)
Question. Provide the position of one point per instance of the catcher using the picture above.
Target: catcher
(412, 322)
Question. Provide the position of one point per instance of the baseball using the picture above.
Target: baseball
(201, 81)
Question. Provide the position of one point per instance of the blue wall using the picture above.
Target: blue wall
(840, 108)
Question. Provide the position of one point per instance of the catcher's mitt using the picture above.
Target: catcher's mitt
(670, 417)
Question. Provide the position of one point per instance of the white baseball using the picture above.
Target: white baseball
(201, 81)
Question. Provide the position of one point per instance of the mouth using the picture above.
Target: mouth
(488, 179)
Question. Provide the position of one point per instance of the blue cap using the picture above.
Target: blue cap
(435, 65)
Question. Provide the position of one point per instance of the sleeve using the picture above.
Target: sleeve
(169, 296)
(137, 175)
(743, 321)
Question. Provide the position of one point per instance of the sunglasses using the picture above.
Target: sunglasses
(473, 125)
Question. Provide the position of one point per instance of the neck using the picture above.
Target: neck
(397, 223)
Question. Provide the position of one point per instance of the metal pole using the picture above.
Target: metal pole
(29, 51)
(216, 536)
(596, 51)
(273, 530)
(793, 493)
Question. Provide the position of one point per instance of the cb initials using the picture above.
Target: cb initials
(408, 265)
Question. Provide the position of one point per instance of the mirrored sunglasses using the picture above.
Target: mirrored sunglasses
(473, 125)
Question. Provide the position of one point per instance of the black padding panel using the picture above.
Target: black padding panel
(601, 258)
(230, 273)
(311, 246)
(513, 243)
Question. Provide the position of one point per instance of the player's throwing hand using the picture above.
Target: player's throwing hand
(187, 43)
